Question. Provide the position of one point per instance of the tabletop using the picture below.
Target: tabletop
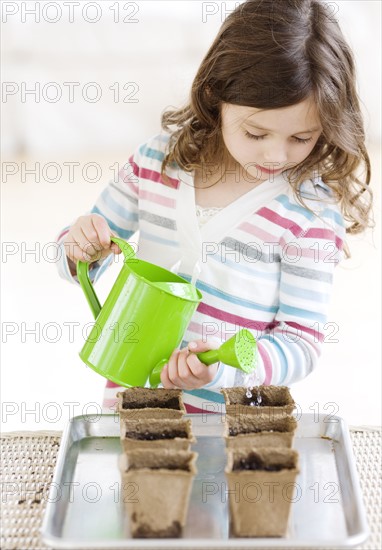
(29, 458)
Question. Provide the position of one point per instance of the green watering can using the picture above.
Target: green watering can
(144, 319)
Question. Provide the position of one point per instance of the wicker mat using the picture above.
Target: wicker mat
(28, 460)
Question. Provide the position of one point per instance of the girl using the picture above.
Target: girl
(248, 190)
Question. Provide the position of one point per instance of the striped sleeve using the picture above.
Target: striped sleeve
(118, 204)
(308, 257)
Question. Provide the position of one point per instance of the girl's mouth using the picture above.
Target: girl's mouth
(267, 170)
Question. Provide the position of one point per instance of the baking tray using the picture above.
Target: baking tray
(84, 508)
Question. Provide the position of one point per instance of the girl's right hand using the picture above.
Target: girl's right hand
(88, 240)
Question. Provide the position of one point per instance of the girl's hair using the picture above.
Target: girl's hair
(270, 54)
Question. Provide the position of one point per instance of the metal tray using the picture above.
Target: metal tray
(84, 509)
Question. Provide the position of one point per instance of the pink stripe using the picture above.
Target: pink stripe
(196, 327)
(315, 252)
(267, 364)
(158, 199)
(110, 384)
(153, 175)
(328, 234)
(199, 329)
(126, 176)
(320, 255)
(126, 179)
(134, 166)
(279, 220)
(253, 230)
(310, 331)
(133, 187)
(234, 319)
(195, 410)
(62, 235)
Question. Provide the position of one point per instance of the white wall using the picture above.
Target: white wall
(160, 54)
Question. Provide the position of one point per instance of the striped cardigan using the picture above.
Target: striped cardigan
(264, 262)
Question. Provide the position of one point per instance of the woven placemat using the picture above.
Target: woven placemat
(27, 465)
(28, 461)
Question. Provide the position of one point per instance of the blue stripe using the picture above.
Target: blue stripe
(235, 300)
(151, 237)
(327, 213)
(117, 208)
(281, 355)
(304, 293)
(207, 395)
(151, 153)
(333, 214)
(298, 312)
(123, 233)
(229, 297)
(298, 357)
(284, 200)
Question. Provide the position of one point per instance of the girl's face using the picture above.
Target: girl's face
(265, 143)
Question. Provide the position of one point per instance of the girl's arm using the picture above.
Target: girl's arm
(118, 204)
(290, 351)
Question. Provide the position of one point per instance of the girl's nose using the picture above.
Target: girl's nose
(276, 154)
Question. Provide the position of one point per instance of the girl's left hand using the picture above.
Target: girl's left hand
(185, 371)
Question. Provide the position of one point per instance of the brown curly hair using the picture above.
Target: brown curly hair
(270, 54)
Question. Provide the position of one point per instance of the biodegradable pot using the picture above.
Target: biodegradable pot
(276, 401)
(135, 403)
(156, 434)
(156, 488)
(261, 487)
(259, 431)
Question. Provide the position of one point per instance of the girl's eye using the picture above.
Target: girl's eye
(251, 136)
(299, 140)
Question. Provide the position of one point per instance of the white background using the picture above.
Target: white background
(43, 380)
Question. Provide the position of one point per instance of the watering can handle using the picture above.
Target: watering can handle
(84, 279)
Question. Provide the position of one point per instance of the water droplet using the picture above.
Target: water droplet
(252, 382)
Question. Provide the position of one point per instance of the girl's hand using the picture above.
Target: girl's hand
(185, 371)
(88, 240)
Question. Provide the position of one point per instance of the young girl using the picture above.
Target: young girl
(248, 191)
